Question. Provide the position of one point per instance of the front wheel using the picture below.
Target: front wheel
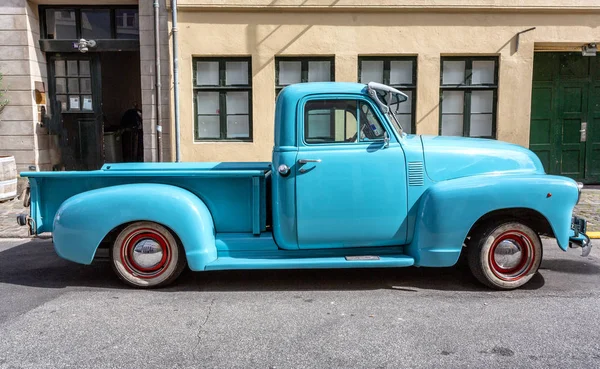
(504, 254)
(146, 254)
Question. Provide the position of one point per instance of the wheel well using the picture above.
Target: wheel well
(532, 218)
(111, 236)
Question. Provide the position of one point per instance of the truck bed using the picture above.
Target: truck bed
(235, 193)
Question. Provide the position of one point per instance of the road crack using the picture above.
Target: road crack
(200, 328)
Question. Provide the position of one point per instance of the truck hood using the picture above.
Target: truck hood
(454, 157)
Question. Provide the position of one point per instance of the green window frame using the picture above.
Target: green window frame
(409, 87)
(304, 69)
(218, 89)
(476, 84)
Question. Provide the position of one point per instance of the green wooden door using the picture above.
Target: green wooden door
(565, 101)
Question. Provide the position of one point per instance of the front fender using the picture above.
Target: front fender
(448, 209)
(83, 220)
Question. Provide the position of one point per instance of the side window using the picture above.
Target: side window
(370, 128)
(340, 121)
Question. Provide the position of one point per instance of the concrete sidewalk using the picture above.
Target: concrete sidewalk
(588, 208)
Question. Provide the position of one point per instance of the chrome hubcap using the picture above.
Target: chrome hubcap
(147, 253)
(508, 254)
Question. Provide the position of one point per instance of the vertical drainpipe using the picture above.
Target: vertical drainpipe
(157, 94)
(175, 79)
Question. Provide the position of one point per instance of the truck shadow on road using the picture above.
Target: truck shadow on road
(35, 264)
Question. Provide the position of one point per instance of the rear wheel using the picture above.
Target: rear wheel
(146, 254)
(504, 254)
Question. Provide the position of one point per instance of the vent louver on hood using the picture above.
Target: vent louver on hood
(415, 173)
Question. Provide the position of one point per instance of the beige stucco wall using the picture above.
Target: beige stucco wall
(264, 34)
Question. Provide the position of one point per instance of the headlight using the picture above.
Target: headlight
(579, 187)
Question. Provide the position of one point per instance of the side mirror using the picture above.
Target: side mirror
(386, 140)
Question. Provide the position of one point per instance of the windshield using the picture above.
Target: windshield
(389, 100)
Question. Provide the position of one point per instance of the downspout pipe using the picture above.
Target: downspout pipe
(157, 95)
(175, 79)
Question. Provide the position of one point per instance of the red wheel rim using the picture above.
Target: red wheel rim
(133, 239)
(511, 256)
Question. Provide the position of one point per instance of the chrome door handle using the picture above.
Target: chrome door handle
(304, 161)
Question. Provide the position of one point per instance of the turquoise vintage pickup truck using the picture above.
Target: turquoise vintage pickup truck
(346, 188)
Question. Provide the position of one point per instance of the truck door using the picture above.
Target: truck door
(351, 188)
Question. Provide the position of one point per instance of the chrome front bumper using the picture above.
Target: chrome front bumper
(578, 238)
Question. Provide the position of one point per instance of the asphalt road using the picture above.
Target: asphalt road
(56, 314)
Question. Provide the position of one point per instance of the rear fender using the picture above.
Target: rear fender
(83, 220)
(447, 211)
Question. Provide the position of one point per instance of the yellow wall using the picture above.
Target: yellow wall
(264, 34)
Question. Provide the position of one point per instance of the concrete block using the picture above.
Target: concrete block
(13, 52)
(13, 38)
(16, 127)
(16, 142)
(20, 98)
(13, 22)
(147, 68)
(13, 7)
(16, 83)
(22, 157)
(11, 112)
(14, 67)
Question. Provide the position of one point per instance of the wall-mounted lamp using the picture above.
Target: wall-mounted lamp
(589, 50)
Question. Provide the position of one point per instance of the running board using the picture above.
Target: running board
(365, 261)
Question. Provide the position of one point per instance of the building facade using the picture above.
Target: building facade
(512, 71)
(522, 71)
(74, 106)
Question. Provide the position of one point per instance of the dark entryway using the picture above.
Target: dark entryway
(94, 84)
(565, 114)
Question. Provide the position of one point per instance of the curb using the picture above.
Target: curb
(594, 235)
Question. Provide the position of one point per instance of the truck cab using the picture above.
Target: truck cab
(347, 188)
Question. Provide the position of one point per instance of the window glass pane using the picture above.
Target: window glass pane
(319, 125)
(208, 126)
(85, 85)
(87, 103)
(482, 101)
(483, 72)
(207, 73)
(319, 71)
(481, 125)
(84, 67)
(207, 102)
(95, 24)
(73, 85)
(401, 72)
(452, 102)
(453, 72)
(127, 23)
(59, 68)
(72, 68)
(61, 85)
(60, 24)
(238, 126)
(405, 122)
(290, 72)
(236, 73)
(452, 125)
(370, 126)
(331, 121)
(371, 71)
(237, 103)
(74, 103)
(404, 107)
(62, 100)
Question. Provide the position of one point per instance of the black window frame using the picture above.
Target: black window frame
(222, 89)
(304, 60)
(467, 88)
(77, 9)
(386, 79)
